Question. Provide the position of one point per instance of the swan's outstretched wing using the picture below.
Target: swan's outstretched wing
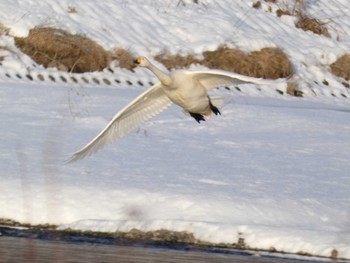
(215, 78)
(147, 105)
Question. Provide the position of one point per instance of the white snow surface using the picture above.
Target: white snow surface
(272, 169)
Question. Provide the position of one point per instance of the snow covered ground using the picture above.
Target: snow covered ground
(272, 169)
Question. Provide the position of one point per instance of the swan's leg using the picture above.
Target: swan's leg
(198, 117)
(213, 108)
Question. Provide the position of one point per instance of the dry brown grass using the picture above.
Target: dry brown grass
(270, 63)
(341, 67)
(304, 21)
(176, 61)
(72, 9)
(282, 12)
(256, 5)
(50, 46)
(312, 24)
(2, 58)
(292, 89)
(4, 30)
(228, 59)
(124, 58)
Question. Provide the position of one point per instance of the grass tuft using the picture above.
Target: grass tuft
(176, 61)
(256, 5)
(3, 30)
(269, 63)
(72, 9)
(228, 59)
(312, 24)
(125, 58)
(52, 47)
(341, 67)
(292, 89)
(304, 21)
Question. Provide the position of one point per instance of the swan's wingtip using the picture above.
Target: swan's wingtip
(70, 160)
(73, 158)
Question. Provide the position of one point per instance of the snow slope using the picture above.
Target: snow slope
(272, 169)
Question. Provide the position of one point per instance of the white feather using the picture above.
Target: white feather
(216, 78)
(147, 105)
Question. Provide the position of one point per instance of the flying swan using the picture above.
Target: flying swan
(188, 89)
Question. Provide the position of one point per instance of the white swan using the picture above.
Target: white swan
(188, 89)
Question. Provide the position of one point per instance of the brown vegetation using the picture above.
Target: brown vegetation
(13, 223)
(257, 4)
(124, 58)
(292, 89)
(2, 58)
(176, 61)
(270, 63)
(304, 21)
(228, 59)
(3, 30)
(312, 24)
(72, 9)
(282, 12)
(159, 235)
(341, 67)
(55, 47)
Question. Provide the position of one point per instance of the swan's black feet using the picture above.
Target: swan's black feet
(214, 109)
(198, 117)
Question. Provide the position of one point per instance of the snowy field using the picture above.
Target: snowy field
(273, 169)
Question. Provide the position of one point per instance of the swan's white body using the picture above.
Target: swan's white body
(188, 89)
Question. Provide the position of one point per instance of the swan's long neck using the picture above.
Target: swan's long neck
(162, 76)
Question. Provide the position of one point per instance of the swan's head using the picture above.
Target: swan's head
(142, 61)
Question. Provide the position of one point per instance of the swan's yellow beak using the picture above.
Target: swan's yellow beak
(138, 60)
